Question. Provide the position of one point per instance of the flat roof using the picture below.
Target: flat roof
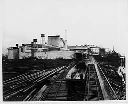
(13, 48)
(54, 36)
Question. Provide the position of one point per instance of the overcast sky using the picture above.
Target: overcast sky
(98, 22)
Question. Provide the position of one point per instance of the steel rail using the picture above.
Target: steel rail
(44, 95)
(44, 76)
(17, 85)
(106, 80)
(39, 97)
(91, 71)
(27, 88)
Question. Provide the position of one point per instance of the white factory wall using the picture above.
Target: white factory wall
(27, 49)
(55, 54)
(24, 55)
(49, 55)
(95, 50)
(26, 52)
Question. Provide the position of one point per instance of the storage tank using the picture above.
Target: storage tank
(13, 53)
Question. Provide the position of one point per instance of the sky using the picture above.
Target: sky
(99, 22)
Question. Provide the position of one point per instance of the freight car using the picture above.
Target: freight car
(79, 56)
(78, 71)
(76, 82)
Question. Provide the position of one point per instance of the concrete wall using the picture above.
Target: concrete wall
(24, 55)
(49, 55)
(55, 54)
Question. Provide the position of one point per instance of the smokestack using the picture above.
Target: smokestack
(65, 39)
(17, 45)
(34, 41)
(43, 38)
(66, 44)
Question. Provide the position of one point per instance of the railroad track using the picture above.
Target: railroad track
(116, 90)
(25, 86)
(57, 89)
(53, 86)
(62, 89)
(19, 84)
(93, 90)
(87, 89)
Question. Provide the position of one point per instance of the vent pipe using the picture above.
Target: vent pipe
(43, 39)
(34, 40)
(17, 45)
(65, 39)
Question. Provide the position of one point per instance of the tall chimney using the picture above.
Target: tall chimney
(65, 46)
(35, 40)
(17, 45)
(65, 39)
(43, 38)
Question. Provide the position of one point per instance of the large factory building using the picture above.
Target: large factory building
(55, 48)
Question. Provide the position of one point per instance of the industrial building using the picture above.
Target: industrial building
(77, 73)
(56, 47)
